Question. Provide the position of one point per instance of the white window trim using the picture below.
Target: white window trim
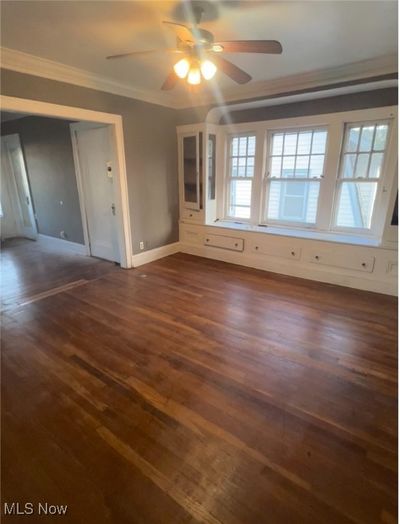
(266, 181)
(335, 125)
(381, 182)
(229, 178)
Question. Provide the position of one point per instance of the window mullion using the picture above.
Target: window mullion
(256, 187)
(329, 182)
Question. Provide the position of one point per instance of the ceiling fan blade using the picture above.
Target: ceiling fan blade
(144, 53)
(234, 72)
(272, 47)
(170, 81)
(182, 32)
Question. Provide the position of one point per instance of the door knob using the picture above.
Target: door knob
(113, 209)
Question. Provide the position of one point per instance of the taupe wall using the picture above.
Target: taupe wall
(46, 143)
(150, 148)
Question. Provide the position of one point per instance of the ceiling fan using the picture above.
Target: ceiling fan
(202, 54)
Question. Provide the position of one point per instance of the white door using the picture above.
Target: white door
(96, 173)
(13, 165)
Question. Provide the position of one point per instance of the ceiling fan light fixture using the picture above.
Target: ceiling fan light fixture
(182, 67)
(194, 76)
(217, 48)
(208, 69)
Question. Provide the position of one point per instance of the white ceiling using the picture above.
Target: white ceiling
(315, 35)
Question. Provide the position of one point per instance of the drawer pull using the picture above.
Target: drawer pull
(293, 253)
(364, 264)
(316, 257)
(207, 240)
(256, 248)
(236, 244)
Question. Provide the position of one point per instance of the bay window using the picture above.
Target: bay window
(328, 173)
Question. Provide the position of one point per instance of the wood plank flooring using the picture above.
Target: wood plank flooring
(190, 390)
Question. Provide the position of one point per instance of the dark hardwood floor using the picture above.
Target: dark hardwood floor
(190, 390)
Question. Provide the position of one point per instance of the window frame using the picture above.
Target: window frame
(335, 124)
(267, 179)
(379, 181)
(229, 178)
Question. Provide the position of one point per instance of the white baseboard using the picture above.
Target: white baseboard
(288, 268)
(155, 254)
(79, 249)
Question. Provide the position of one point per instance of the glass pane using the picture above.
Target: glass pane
(349, 163)
(352, 139)
(293, 201)
(240, 196)
(277, 143)
(290, 143)
(362, 165)
(190, 181)
(304, 143)
(302, 166)
(380, 137)
(276, 166)
(251, 146)
(288, 166)
(243, 146)
(375, 167)
(234, 164)
(239, 212)
(211, 166)
(235, 147)
(250, 171)
(356, 203)
(316, 165)
(319, 141)
(367, 136)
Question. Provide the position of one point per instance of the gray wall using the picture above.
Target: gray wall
(150, 149)
(150, 141)
(329, 104)
(46, 143)
(333, 104)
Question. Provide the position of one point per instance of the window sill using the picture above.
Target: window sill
(340, 238)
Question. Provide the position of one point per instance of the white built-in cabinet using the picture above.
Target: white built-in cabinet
(197, 154)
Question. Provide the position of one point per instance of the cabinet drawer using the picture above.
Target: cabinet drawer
(343, 260)
(223, 242)
(276, 250)
(192, 215)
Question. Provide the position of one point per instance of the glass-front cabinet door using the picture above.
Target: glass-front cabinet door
(192, 169)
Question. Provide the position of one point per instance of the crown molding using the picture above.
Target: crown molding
(42, 67)
(356, 71)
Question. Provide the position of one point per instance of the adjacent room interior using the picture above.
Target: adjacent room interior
(199, 261)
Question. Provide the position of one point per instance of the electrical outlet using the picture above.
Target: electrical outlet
(141, 245)
(63, 235)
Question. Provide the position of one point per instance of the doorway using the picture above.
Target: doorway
(105, 210)
(94, 165)
(17, 214)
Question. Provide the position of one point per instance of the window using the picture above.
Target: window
(362, 159)
(240, 175)
(296, 166)
(330, 174)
